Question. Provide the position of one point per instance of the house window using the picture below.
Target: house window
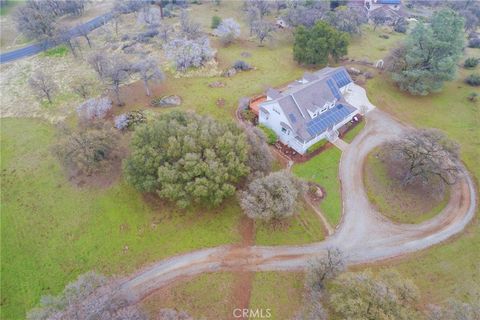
(276, 110)
(284, 130)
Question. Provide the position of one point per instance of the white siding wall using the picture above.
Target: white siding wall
(273, 122)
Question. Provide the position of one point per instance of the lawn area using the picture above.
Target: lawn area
(207, 296)
(353, 133)
(450, 270)
(323, 169)
(304, 227)
(398, 203)
(281, 292)
(52, 231)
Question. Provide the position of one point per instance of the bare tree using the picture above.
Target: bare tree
(42, 84)
(149, 71)
(63, 35)
(89, 149)
(94, 109)
(253, 15)
(164, 32)
(227, 31)
(263, 30)
(324, 268)
(82, 87)
(188, 27)
(424, 154)
(117, 72)
(378, 18)
(34, 21)
(99, 62)
(84, 31)
(263, 6)
(91, 296)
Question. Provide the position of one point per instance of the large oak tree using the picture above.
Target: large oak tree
(187, 158)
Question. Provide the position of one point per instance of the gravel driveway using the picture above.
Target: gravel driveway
(364, 235)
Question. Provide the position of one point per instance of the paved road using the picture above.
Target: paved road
(46, 44)
(364, 235)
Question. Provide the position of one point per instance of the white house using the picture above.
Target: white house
(311, 109)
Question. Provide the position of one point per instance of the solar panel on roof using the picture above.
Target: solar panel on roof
(292, 117)
(341, 78)
(333, 88)
(328, 119)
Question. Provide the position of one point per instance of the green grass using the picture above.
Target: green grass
(353, 132)
(205, 296)
(281, 292)
(317, 146)
(396, 202)
(304, 227)
(323, 169)
(450, 270)
(59, 51)
(370, 47)
(53, 231)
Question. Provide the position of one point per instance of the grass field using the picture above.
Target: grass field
(450, 270)
(52, 231)
(403, 204)
(304, 227)
(281, 292)
(207, 296)
(323, 169)
(353, 133)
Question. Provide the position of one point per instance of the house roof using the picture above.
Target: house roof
(313, 92)
(388, 1)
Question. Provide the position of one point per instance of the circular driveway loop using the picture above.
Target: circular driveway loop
(364, 235)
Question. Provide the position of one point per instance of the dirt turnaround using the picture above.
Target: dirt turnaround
(364, 235)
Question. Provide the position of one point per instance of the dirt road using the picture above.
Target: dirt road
(364, 235)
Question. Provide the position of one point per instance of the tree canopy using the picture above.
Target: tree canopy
(430, 55)
(317, 44)
(272, 197)
(187, 158)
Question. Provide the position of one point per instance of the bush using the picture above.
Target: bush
(473, 97)
(59, 51)
(473, 80)
(227, 31)
(317, 146)
(248, 115)
(130, 119)
(216, 20)
(474, 43)
(241, 65)
(471, 62)
(269, 133)
(400, 28)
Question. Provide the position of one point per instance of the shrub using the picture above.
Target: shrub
(269, 133)
(248, 115)
(473, 79)
(241, 65)
(216, 20)
(130, 119)
(59, 51)
(473, 97)
(400, 28)
(471, 62)
(317, 146)
(474, 43)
